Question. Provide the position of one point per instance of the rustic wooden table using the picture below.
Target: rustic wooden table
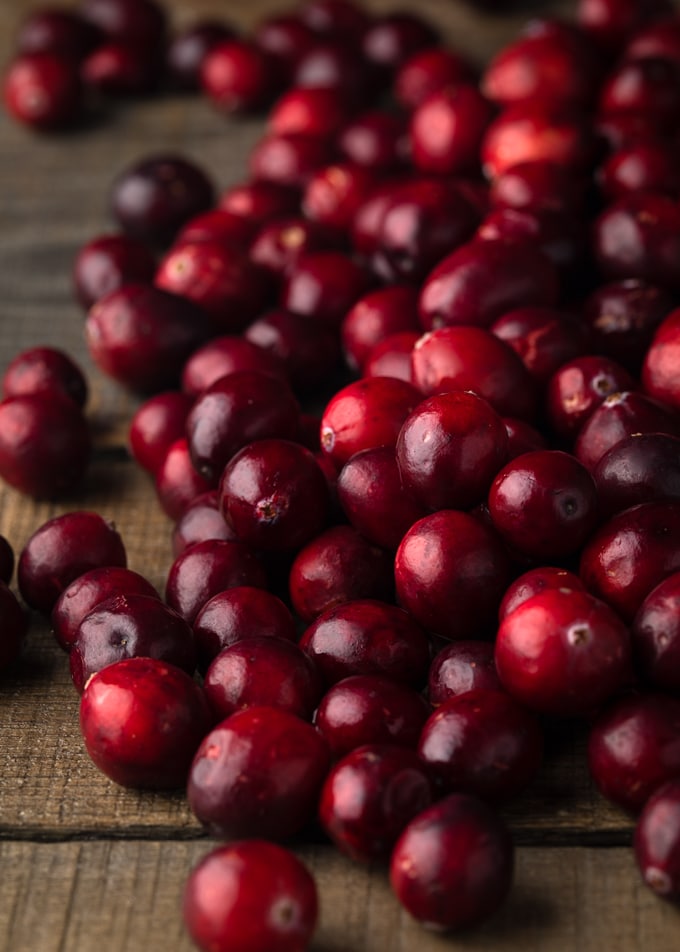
(86, 865)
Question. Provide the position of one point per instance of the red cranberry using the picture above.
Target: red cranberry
(156, 425)
(261, 202)
(471, 358)
(45, 370)
(318, 112)
(61, 550)
(619, 130)
(660, 369)
(537, 186)
(188, 49)
(52, 30)
(237, 76)
(250, 896)
(633, 748)
(451, 558)
(391, 357)
(87, 592)
(308, 351)
(656, 635)
(133, 21)
(338, 66)
(13, 624)
(280, 244)
(611, 22)
(657, 841)
(142, 720)
(240, 613)
(6, 560)
(393, 38)
(460, 667)
(43, 90)
(427, 72)
(333, 195)
(544, 338)
(324, 286)
(285, 38)
(289, 160)
(484, 743)
(177, 482)
(649, 86)
(200, 521)
(558, 235)
(447, 130)
(452, 866)
(258, 773)
(644, 467)
(579, 387)
(105, 264)
(522, 437)
(121, 70)
(217, 225)
(639, 167)
(542, 579)
(375, 140)
(370, 709)
(658, 40)
(376, 316)
(226, 355)
(562, 652)
(368, 219)
(342, 18)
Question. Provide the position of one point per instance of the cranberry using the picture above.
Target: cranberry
(368, 220)
(558, 235)
(537, 186)
(217, 225)
(633, 748)
(375, 140)
(188, 49)
(374, 317)
(105, 264)
(141, 335)
(460, 667)
(237, 76)
(156, 425)
(452, 866)
(285, 38)
(308, 351)
(13, 624)
(133, 21)
(316, 112)
(619, 130)
(471, 358)
(334, 193)
(258, 773)
(121, 70)
(579, 387)
(238, 614)
(562, 652)
(370, 709)
(261, 202)
(142, 720)
(61, 550)
(52, 30)
(644, 467)
(45, 370)
(324, 286)
(447, 130)
(177, 483)
(280, 244)
(639, 167)
(200, 521)
(87, 592)
(153, 198)
(226, 355)
(544, 338)
(522, 437)
(535, 581)
(657, 841)
(250, 896)
(235, 410)
(391, 357)
(611, 22)
(429, 71)
(649, 86)
(342, 18)
(394, 37)
(6, 560)
(43, 90)
(337, 66)
(289, 160)
(656, 635)
(660, 369)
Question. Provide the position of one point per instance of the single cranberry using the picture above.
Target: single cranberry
(106, 263)
(620, 130)
(639, 167)
(237, 76)
(644, 467)
(289, 160)
(142, 22)
(259, 772)
(660, 39)
(280, 244)
(325, 286)
(559, 235)
(142, 720)
(250, 896)
(333, 195)
(429, 71)
(6, 560)
(176, 480)
(394, 37)
(544, 338)
(370, 709)
(337, 66)
(261, 202)
(656, 635)
(188, 49)
(53, 30)
(452, 866)
(153, 198)
(317, 112)
(200, 521)
(342, 18)
(660, 369)
(471, 358)
(308, 350)
(217, 225)
(13, 624)
(43, 91)
(226, 355)
(122, 70)
(657, 841)
(542, 579)
(579, 387)
(45, 370)
(368, 219)
(649, 86)
(238, 614)
(376, 316)
(633, 748)
(156, 425)
(375, 140)
(611, 22)
(563, 652)
(538, 186)
(284, 37)
(447, 130)
(460, 667)
(522, 437)
(391, 357)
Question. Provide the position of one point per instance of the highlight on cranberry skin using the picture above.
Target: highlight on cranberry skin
(657, 841)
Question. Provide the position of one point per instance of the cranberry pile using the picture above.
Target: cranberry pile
(411, 398)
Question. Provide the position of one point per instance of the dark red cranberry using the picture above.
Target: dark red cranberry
(153, 198)
(217, 225)
(308, 351)
(368, 220)
(563, 652)
(13, 625)
(370, 709)
(200, 521)
(87, 592)
(579, 387)
(336, 18)
(427, 72)
(237, 76)
(451, 558)
(105, 264)
(176, 480)
(633, 748)
(660, 39)
(285, 37)
(237, 614)
(258, 773)
(535, 581)
(250, 896)
(325, 286)
(611, 22)
(394, 37)
(657, 841)
(142, 22)
(376, 316)
(317, 112)
(261, 202)
(142, 720)
(660, 368)
(522, 437)
(338, 66)
(449, 450)
(289, 160)
(43, 91)
(447, 130)
(53, 30)
(375, 140)
(640, 167)
(280, 244)
(156, 425)
(6, 560)
(333, 195)
(649, 86)
(226, 355)
(452, 866)
(45, 370)
(537, 186)
(619, 130)
(644, 467)
(544, 338)
(559, 235)
(460, 667)
(206, 569)
(141, 336)
(391, 357)
(188, 49)
(121, 70)
(656, 635)
(482, 742)
(471, 358)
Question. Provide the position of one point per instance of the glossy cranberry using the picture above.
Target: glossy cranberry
(334, 193)
(141, 336)
(370, 709)
(657, 841)
(537, 186)
(447, 130)
(44, 370)
(105, 264)
(188, 49)
(394, 37)
(544, 338)
(620, 130)
(645, 85)
(374, 317)
(656, 635)
(337, 66)
(289, 160)
(53, 30)
(133, 21)
(325, 286)
(535, 581)
(121, 70)
(633, 748)
(429, 71)
(316, 112)
(142, 720)
(660, 368)
(579, 387)
(13, 625)
(641, 167)
(6, 560)
(200, 521)
(43, 91)
(391, 357)
(176, 480)
(308, 351)
(226, 355)
(285, 37)
(238, 77)
(522, 437)
(217, 225)
(563, 652)
(280, 244)
(342, 18)
(471, 358)
(644, 467)
(156, 425)
(611, 22)
(451, 558)
(461, 667)
(250, 896)
(261, 202)
(258, 773)
(375, 140)
(368, 219)
(452, 866)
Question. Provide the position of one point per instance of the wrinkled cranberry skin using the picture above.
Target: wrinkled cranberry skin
(563, 652)
(633, 748)
(656, 635)
(452, 866)
(451, 572)
(50, 30)
(260, 202)
(280, 244)
(118, 69)
(156, 425)
(141, 336)
(483, 743)
(535, 581)
(44, 370)
(370, 709)
(142, 720)
(133, 21)
(274, 495)
(460, 667)
(325, 286)
(237, 614)
(376, 316)
(544, 338)
(368, 798)
(657, 841)
(259, 773)
(130, 626)
(6, 560)
(226, 355)
(579, 387)
(660, 376)
(88, 591)
(106, 263)
(61, 550)
(537, 186)
(261, 670)
(200, 521)
(447, 130)
(645, 467)
(250, 896)
(13, 624)
(43, 91)
(187, 51)
(308, 352)
(176, 481)
(238, 77)
(427, 72)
